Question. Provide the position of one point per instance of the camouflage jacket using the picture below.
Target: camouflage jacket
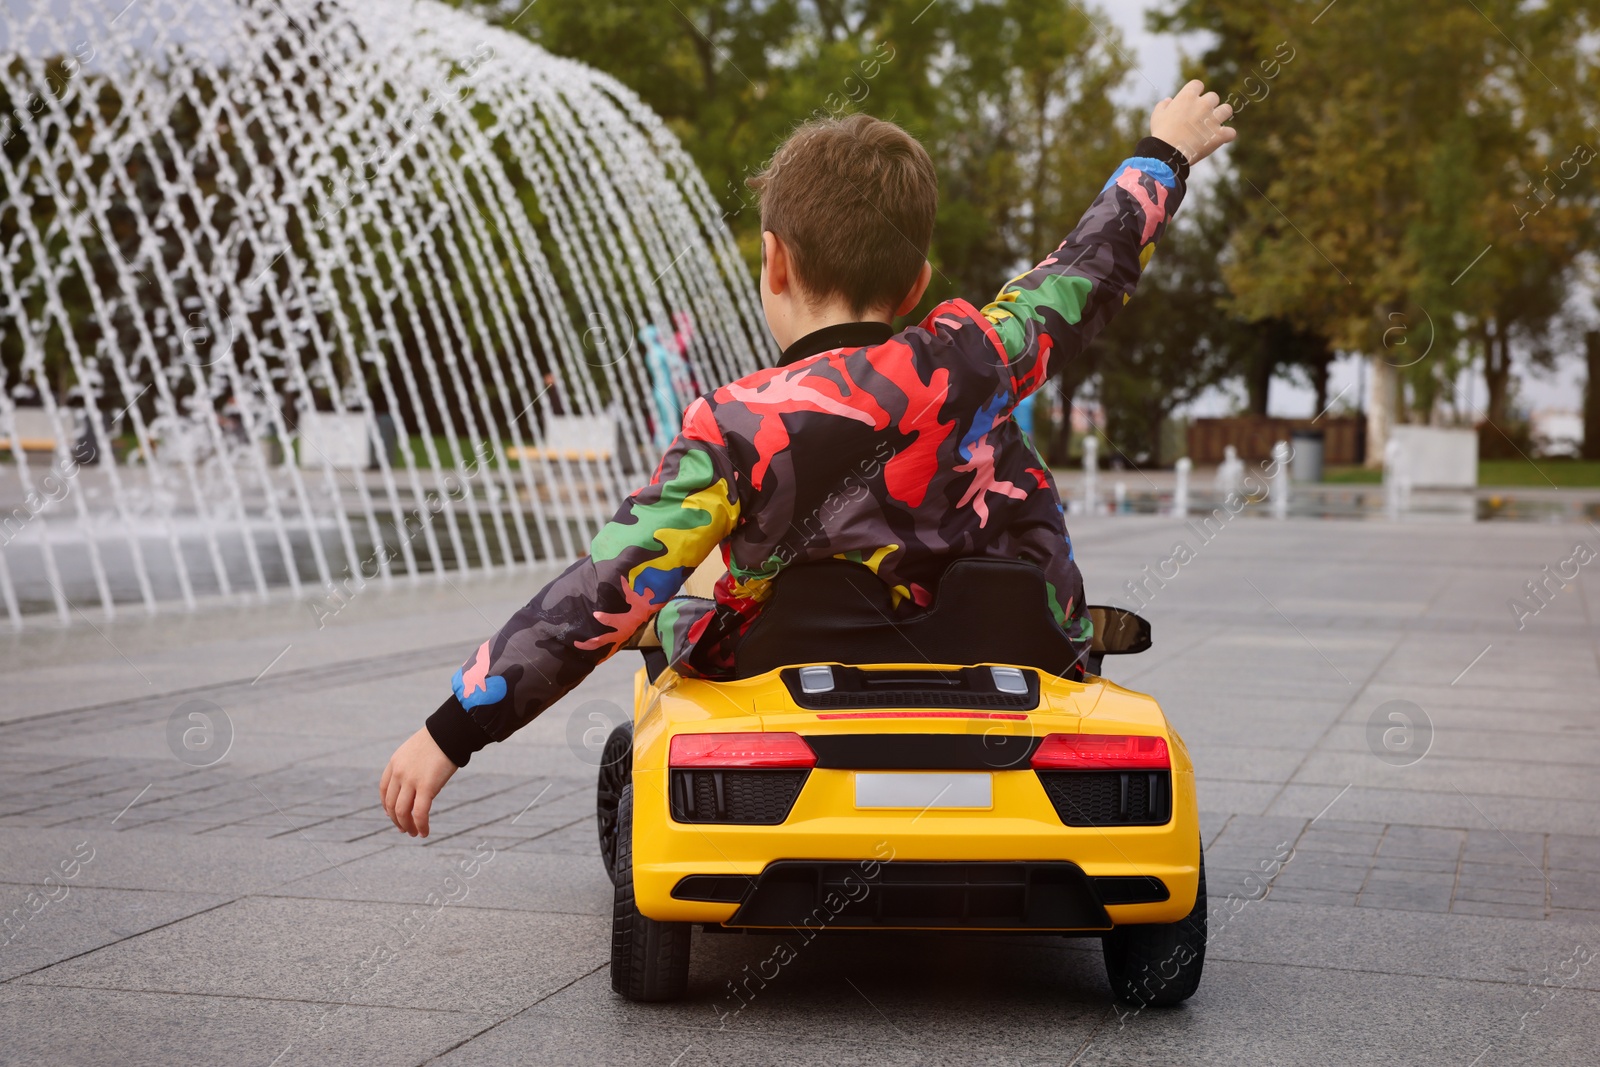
(896, 450)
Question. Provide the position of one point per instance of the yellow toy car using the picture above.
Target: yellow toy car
(933, 773)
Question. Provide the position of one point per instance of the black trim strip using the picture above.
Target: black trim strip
(976, 751)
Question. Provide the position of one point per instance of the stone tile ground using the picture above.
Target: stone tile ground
(259, 910)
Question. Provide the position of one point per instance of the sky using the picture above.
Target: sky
(1157, 59)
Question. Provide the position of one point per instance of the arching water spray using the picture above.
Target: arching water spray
(309, 295)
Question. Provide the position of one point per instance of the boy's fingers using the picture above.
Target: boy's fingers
(419, 813)
(402, 809)
(391, 793)
(1223, 113)
(383, 782)
(1211, 99)
(1194, 88)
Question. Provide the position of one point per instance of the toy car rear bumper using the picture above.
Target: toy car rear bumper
(990, 895)
(1013, 866)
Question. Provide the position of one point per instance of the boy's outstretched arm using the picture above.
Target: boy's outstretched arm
(635, 564)
(1052, 312)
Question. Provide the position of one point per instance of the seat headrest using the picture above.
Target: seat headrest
(984, 611)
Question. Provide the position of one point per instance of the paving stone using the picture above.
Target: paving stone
(1405, 895)
(1532, 896)
(1575, 852)
(1307, 873)
(1504, 909)
(1585, 917)
(420, 956)
(860, 998)
(1399, 864)
(50, 923)
(1417, 842)
(141, 860)
(536, 1037)
(1299, 894)
(1500, 876)
(1497, 846)
(518, 880)
(1379, 1020)
(1406, 927)
(94, 1026)
(1575, 889)
(1345, 826)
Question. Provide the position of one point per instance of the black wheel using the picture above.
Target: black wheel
(1158, 964)
(649, 959)
(616, 771)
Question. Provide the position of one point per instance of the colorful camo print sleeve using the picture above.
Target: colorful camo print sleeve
(900, 456)
(635, 564)
(1051, 313)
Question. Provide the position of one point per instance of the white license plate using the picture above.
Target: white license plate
(923, 791)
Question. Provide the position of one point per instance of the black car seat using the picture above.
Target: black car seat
(984, 611)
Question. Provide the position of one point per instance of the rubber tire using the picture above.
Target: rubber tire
(649, 959)
(616, 771)
(1137, 956)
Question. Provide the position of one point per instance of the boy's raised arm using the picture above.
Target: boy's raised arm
(635, 564)
(1053, 311)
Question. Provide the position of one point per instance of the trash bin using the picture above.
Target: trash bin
(390, 436)
(1306, 464)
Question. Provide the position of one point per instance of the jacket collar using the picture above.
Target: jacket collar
(839, 335)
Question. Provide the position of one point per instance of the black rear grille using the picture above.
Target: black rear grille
(754, 796)
(923, 752)
(816, 894)
(1110, 798)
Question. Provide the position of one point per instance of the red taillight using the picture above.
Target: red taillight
(1101, 752)
(741, 750)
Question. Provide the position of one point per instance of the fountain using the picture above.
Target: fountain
(300, 296)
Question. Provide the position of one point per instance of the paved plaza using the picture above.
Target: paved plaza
(1428, 890)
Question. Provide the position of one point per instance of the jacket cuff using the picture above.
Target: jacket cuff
(1156, 148)
(453, 730)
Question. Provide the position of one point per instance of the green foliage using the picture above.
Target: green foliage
(1402, 141)
(1540, 473)
(1401, 163)
(1172, 342)
(1011, 98)
(1014, 102)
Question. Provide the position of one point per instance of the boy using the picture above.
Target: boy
(893, 450)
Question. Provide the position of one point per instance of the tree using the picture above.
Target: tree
(1384, 163)
(1175, 339)
(1591, 396)
(1011, 98)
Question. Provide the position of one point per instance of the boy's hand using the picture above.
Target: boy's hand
(415, 774)
(1192, 122)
